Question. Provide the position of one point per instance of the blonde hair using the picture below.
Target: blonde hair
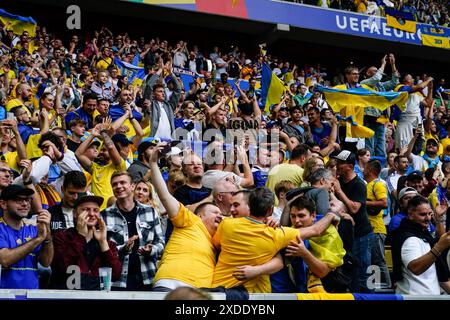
(151, 201)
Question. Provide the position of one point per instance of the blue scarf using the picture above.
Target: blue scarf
(431, 162)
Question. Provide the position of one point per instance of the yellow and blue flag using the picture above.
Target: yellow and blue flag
(436, 37)
(272, 88)
(18, 24)
(134, 73)
(362, 97)
(400, 20)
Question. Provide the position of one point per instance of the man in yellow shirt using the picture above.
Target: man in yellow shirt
(291, 171)
(377, 201)
(189, 256)
(249, 241)
(23, 94)
(108, 161)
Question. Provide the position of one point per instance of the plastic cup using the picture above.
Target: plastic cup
(105, 275)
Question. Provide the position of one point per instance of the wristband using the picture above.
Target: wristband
(27, 183)
(435, 252)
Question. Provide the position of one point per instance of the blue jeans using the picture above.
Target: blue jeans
(362, 260)
(376, 144)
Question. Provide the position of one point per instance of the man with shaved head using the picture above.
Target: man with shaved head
(223, 195)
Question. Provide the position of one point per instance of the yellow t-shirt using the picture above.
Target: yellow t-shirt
(245, 241)
(11, 159)
(101, 180)
(284, 171)
(32, 148)
(381, 192)
(189, 255)
(11, 75)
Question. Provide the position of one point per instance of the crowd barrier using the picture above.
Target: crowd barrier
(10, 294)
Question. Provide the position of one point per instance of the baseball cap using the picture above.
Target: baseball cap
(432, 141)
(345, 156)
(272, 124)
(121, 138)
(415, 175)
(96, 142)
(14, 190)
(406, 191)
(84, 197)
(174, 151)
(248, 61)
(145, 144)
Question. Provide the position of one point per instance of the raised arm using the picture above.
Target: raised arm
(21, 150)
(408, 152)
(168, 201)
(421, 86)
(332, 140)
(429, 117)
(85, 162)
(247, 180)
(242, 93)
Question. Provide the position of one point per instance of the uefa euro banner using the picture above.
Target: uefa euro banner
(18, 24)
(398, 28)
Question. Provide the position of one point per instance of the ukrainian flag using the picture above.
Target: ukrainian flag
(405, 25)
(436, 37)
(400, 20)
(363, 97)
(272, 88)
(18, 24)
(134, 74)
(351, 103)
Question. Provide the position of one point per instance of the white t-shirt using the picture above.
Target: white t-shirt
(163, 130)
(68, 216)
(419, 163)
(424, 284)
(392, 181)
(179, 59)
(276, 214)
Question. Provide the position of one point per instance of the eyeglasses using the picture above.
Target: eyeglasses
(5, 170)
(21, 200)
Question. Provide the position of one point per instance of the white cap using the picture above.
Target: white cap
(248, 61)
(174, 151)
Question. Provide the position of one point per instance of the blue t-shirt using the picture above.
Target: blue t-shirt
(321, 133)
(23, 274)
(281, 282)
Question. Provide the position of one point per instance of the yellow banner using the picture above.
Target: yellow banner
(435, 41)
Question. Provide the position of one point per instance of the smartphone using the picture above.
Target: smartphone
(10, 116)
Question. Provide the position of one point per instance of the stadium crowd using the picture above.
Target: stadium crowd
(433, 12)
(205, 187)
